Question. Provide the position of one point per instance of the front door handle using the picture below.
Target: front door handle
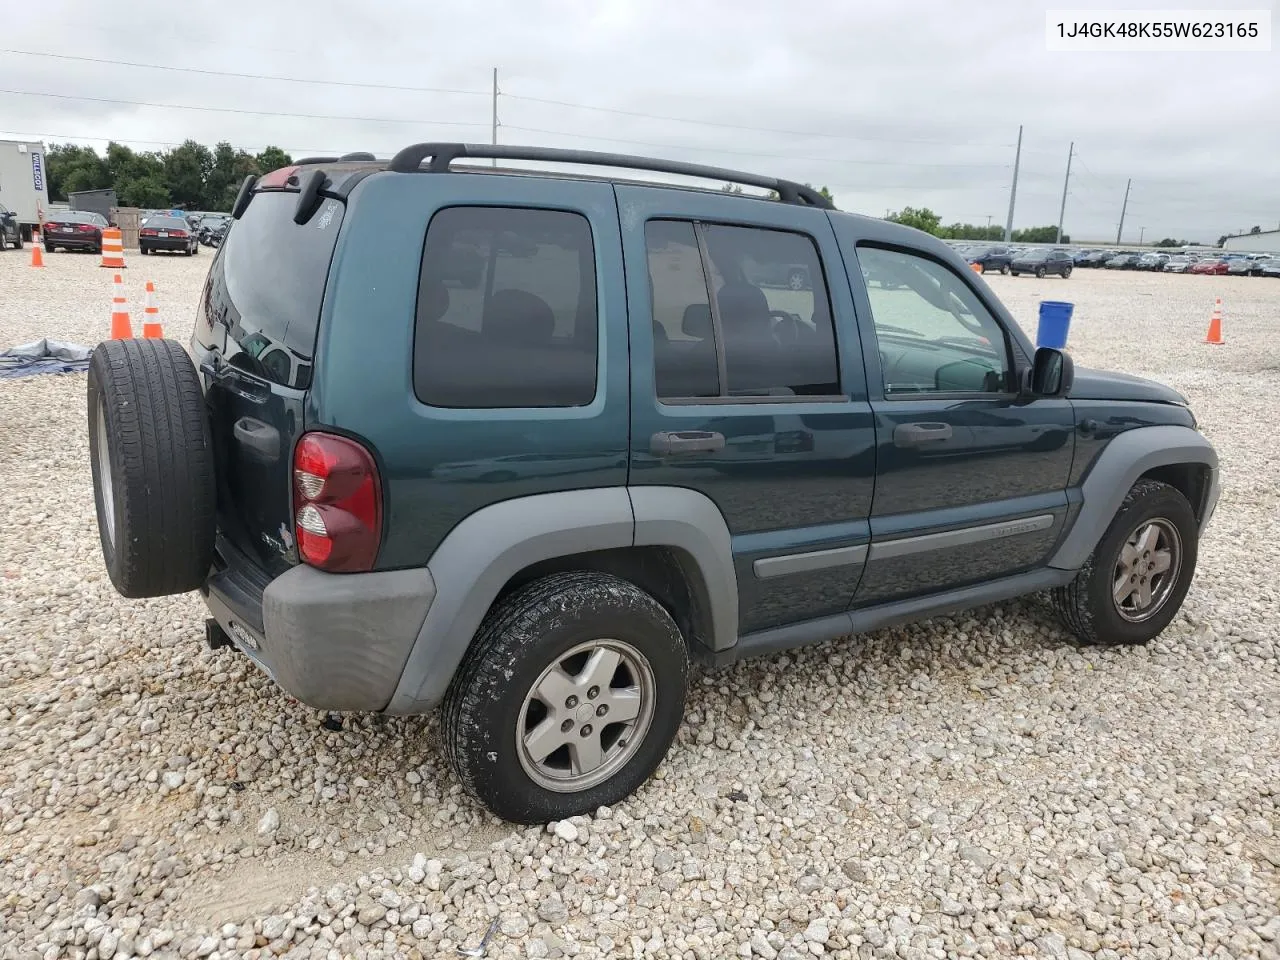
(685, 441)
(916, 434)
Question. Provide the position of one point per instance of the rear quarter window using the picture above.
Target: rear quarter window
(266, 286)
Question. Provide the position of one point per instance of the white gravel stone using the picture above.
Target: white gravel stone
(971, 786)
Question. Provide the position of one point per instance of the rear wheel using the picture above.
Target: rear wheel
(152, 461)
(1004, 269)
(568, 699)
(1066, 272)
(1014, 272)
(1040, 271)
(1133, 584)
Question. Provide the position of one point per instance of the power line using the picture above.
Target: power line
(249, 76)
(260, 113)
(737, 126)
(511, 96)
(747, 153)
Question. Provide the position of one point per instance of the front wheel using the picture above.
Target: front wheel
(1066, 272)
(1014, 272)
(568, 699)
(1133, 584)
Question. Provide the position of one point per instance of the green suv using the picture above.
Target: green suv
(523, 444)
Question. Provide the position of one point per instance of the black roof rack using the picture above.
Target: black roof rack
(410, 159)
(316, 160)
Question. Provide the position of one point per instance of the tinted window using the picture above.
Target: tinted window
(932, 332)
(266, 285)
(771, 307)
(167, 223)
(506, 310)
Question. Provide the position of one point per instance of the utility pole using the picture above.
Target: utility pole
(1013, 190)
(1142, 232)
(494, 162)
(988, 221)
(1063, 209)
(1123, 208)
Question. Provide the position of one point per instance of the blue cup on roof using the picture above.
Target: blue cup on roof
(1055, 324)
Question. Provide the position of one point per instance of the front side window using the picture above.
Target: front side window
(506, 310)
(932, 332)
(738, 312)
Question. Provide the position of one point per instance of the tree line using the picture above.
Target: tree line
(188, 177)
(922, 218)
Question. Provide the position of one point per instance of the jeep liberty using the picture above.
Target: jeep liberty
(523, 444)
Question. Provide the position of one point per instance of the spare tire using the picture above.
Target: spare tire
(152, 460)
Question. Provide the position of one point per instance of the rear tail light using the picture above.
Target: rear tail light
(53, 226)
(337, 501)
(86, 228)
(147, 233)
(177, 233)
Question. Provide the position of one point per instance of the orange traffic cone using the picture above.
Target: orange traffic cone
(121, 329)
(151, 315)
(37, 255)
(1215, 324)
(112, 248)
(976, 267)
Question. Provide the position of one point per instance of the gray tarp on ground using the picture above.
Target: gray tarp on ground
(43, 356)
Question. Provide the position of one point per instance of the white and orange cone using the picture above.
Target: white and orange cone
(1215, 324)
(151, 328)
(121, 329)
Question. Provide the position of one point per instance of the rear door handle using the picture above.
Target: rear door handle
(916, 434)
(261, 439)
(685, 441)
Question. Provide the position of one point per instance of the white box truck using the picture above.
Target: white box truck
(24, 182)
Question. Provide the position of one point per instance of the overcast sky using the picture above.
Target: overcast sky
(891, 103)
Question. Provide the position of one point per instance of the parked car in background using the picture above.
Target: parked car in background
(996, 257)
(1042, 262)
(1152, 261)
(1269, 268)
(1178, 264)
(1241, 267)
(1122, 261)
(1213, 265)
(168, 233)
(212, 228)
(1098, 258)
(1080, 257)
(75, 230)
(10, 229)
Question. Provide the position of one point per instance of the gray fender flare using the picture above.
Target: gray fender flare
(691, 522)
(1126, 458)
(484, 551)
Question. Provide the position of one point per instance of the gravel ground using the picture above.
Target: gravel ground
(973, 786)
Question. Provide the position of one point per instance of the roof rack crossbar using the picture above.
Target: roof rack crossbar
(442, 155)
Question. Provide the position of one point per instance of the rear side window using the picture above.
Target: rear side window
(506, 310)
(738, 312)
(266, 285)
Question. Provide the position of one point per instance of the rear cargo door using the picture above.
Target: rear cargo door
(254, 341)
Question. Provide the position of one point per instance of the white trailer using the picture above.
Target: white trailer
(24, 182)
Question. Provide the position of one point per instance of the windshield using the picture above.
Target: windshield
(167, 223)
(1035, 255)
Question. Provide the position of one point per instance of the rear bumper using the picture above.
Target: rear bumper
(332, 641)
(165, 243)
(71, 242)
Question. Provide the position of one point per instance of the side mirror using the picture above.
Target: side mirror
(1051, 375)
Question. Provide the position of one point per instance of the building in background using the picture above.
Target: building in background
(1266, 242)
(23, 182)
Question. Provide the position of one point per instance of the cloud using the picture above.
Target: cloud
(887, 104)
